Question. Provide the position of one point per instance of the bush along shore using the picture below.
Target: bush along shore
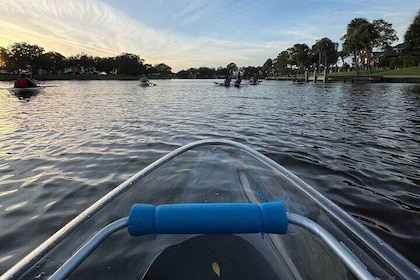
(78, 77)
(403, 75)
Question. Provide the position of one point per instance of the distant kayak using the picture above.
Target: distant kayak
(146, 83)
(299, 81)
(227, 84)
(223, 84)
(253, 83)
(26, 92)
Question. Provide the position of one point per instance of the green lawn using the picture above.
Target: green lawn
(397, 72)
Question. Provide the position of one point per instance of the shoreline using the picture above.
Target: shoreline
(84, 77)
(359, 79)
(319, 79)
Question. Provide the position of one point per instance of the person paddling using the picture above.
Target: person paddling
(24, 81)
(239, 80)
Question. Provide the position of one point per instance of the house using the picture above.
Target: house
(76, 69)
(399, 49)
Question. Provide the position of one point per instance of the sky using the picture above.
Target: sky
(190, 33)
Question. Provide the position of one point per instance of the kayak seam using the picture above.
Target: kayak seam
(154, 223)
(261, 221)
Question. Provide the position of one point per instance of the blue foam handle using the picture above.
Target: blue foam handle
(207, 218)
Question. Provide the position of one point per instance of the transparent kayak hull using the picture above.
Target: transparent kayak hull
(321, 242)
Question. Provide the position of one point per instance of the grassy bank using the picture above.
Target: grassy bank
(403, 75)
(407, 71)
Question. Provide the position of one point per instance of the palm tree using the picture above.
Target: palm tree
(362, 36)
(327, 52)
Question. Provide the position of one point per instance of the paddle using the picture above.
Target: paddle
(38, 86)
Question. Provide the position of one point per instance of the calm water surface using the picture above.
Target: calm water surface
(63, 149)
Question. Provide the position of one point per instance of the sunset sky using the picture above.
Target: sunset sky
(190, 33)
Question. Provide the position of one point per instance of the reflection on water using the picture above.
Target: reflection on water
(66, 147)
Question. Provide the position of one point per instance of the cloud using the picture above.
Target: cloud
(186, 33)
(95, 28)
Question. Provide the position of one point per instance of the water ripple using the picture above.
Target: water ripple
(63, 149)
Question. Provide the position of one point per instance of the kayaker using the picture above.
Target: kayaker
(227, 80)
(24, 81)
(239, 80)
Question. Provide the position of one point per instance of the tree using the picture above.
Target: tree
(4, 57)
(163, 69)
(412, 36)
(50, 61)
(148, 68)
(183, 74)
(354, 41)
(299, 55)
(383, 34)
(106, 64)
(268, 66)
(252, 71)
(22, 55)
(128, 64)
(327, 52)
(71, 60)
(205, 72)
(281, 62)
(362, 36)
(221, 71)
(412, 39)
(86, 60)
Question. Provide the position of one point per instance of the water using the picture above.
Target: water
(63, 149)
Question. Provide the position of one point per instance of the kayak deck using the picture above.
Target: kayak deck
(232, 220)
(206, 173)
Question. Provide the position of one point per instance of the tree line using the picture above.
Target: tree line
(21, 55)
(361, 39)
(358, 44)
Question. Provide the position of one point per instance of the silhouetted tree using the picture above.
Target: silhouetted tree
(163, 69)
(362, 36)
(267, 66)
(412, 39)
(282, 61)
(128, 64)
(22, 55)
(326, 51)
(299, 55)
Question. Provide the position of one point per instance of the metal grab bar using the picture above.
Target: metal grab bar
(84, 251)
(350, 261)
